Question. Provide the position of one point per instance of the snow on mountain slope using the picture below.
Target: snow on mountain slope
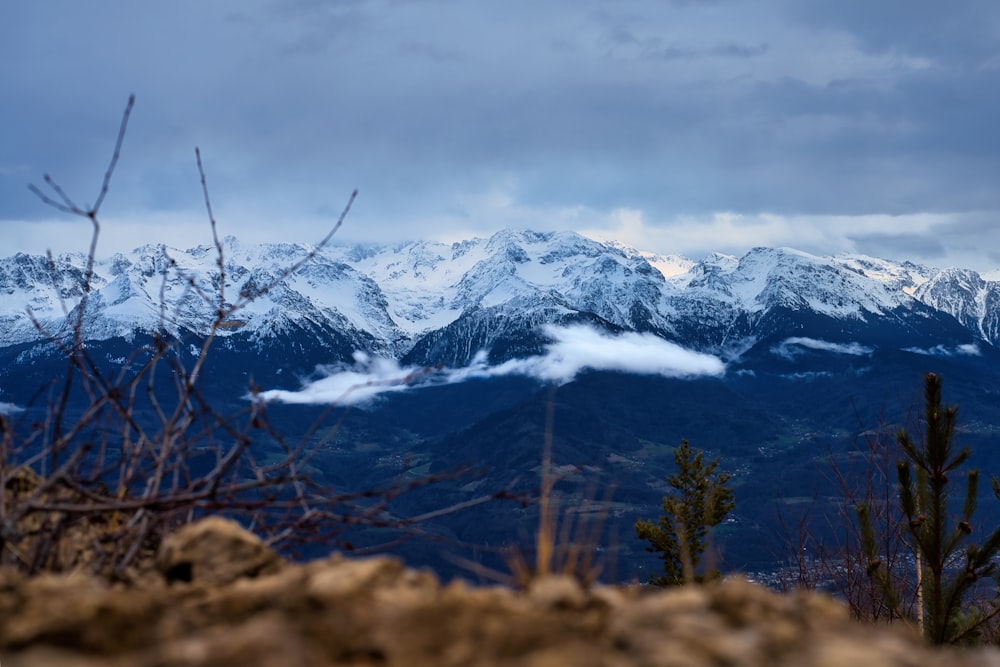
(670, 266)
(393, 300)
(722, 300)
(417, 279)
(905, 276)
(968, 297)
(156, 288)
(34, 288)
(767, 277)
(429, 286)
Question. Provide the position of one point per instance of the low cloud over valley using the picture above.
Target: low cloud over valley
(572, 350)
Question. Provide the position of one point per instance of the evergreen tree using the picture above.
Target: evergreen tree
(700, 499)
(948, 565)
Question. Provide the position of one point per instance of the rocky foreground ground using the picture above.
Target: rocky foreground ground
(223, 598)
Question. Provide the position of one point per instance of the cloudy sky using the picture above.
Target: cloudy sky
(683, 126)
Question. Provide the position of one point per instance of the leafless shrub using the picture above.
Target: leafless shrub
(824, 537)
(97, 488)
(847, 567)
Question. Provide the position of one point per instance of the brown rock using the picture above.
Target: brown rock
(248, 608)
(215, 551)
(557, 592)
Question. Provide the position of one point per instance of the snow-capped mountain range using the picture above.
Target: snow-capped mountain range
(437, 303)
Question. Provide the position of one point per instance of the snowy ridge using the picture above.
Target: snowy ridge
(670, 266)
(394, 299)
(966, 296)
(905, 276)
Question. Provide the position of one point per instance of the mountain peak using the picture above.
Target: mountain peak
(388, 298)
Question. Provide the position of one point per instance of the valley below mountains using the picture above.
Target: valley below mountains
(782, 363)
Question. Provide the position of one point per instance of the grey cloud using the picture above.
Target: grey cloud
(971, 236)
(433, 52)
(426, 105)
(738, 50)
(790, 348)
(912, 246)
(8, 409)
(727, 50)
(949, 31)
(968, 350)
(641, 43)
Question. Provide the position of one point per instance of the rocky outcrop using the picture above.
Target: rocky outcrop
(238, 604)
(214, 551)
